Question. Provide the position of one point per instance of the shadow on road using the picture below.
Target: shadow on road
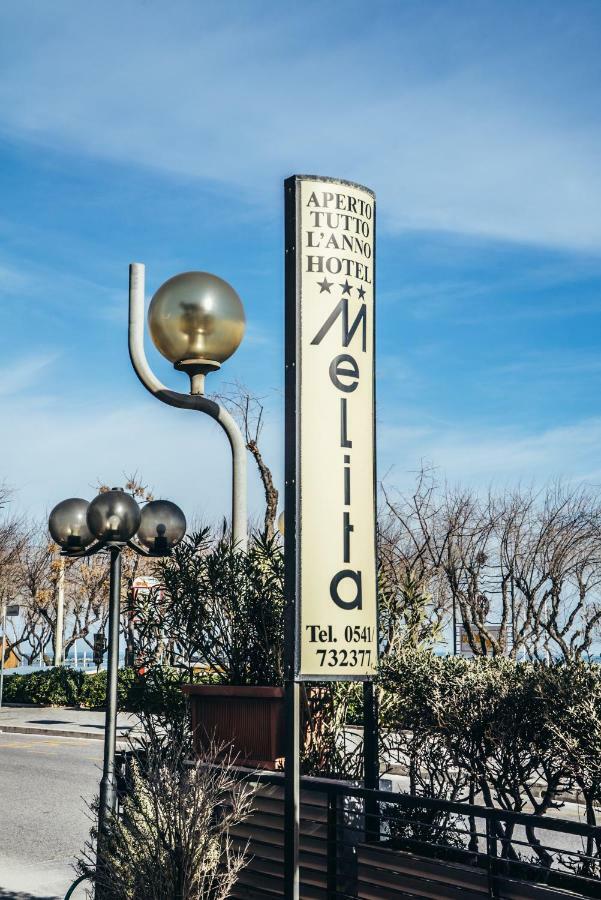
(49, 721)
(22, 895)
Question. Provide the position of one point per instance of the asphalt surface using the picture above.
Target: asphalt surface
(45, 784)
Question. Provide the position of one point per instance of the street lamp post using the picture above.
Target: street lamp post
(111, 522)
(60, 614)
(196, 320)
(2, 652)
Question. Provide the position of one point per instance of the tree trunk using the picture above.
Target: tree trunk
(271, 493)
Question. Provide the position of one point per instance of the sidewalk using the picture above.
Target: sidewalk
(62, 722)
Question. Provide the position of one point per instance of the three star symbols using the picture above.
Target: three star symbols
(325, 286)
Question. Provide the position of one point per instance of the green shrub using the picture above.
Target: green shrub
(156, 693)
(14, 689)
(502, 727)
(93, 691)
(51, 687)
(220, 605)
(518, 735)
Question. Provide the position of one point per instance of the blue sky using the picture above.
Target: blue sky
(162, 133)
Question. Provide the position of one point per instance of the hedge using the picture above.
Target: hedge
(496, 726)
(68, 687)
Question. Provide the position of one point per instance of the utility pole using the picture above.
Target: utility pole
(2, 652)
(454, 627)
(60, 614)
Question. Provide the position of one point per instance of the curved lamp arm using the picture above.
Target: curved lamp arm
(142, 551)
(86, 551)
(188, 401)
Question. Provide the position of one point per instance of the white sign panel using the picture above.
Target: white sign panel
(330, 330)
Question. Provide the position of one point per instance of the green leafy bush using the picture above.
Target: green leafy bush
(220, 606)
(155, 693)
(519, 736)
(420, 829)
(158, 693)
(50, 687)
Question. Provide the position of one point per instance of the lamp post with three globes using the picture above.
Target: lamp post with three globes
(111, 522)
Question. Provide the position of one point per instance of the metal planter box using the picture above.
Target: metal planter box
(248, 720)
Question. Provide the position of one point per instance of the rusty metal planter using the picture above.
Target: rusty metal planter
(247, 719)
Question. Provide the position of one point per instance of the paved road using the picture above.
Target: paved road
(45, 783)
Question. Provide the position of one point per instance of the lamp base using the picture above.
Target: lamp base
(196, 369)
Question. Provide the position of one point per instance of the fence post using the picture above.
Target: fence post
(332, 845)
(491, 857)
(371, 760)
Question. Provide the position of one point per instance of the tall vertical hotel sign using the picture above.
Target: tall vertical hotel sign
(330, 428)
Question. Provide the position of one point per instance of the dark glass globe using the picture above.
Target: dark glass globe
(68, 525)
(114, 516)
(162, 526)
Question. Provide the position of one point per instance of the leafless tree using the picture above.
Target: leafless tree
(37, 575)
(414, 597)
(249, 411)
(12, 536)
(553, 554)
(527, 561)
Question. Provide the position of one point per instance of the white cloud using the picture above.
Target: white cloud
(20, 374)
(466, 145)
(56, 452)
(479, 457)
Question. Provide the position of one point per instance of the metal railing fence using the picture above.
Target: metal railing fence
(359, 844)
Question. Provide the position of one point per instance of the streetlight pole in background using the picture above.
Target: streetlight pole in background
(454, 627)
(108, 787)
(196, 321)
(8, 610)
(60, 614)
(2, 652)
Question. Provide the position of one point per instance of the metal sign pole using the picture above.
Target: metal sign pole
(292, 765)
(292, 792)
(371, 759)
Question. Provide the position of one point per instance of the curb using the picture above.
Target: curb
(14, 705)
(57, 732)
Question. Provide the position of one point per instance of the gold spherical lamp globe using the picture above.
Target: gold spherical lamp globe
(196, 321)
